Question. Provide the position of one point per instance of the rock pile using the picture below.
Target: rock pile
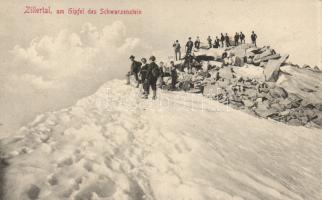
(215, 78)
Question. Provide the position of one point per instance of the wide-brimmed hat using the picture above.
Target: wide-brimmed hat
(132, 57)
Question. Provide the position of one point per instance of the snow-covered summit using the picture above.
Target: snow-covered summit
(115, 145)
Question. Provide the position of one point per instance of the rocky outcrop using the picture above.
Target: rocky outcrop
(272, 68)
(264, 98)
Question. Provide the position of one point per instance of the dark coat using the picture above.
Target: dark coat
(144, 72)
(153, 67)
(189, 44)
(136, 66)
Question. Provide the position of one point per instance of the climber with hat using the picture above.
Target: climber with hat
(189, 46)
(153, 74)
(135, 69)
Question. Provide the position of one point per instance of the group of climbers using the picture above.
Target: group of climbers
(148, 74)
(222, 41)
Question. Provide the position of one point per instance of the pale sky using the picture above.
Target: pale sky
(288, 26)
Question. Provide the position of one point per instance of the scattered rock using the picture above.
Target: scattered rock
(278, 92)
(226, 73)
(318, 119)
(294, 122)
(307, 90)
(33, 192)
(248, 103)
(265, 113)
(317, 69)
(212, 90)
(272, 68)
(278, 107)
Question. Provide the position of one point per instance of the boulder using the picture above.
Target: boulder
(294, 122)
(289, 104)
(249, 61)
(251, 93)
(195, 90)
(311, 114)
(272, 68)
(318, 106)
(266, 58)
(33, 192)
(167, 80)
(265, 113)
(258, 57)
(248, 103)
(212, 90)
(277, 107)
(278, 92)
(227, 73)
(285, 112)
(186, 85)
(253, 49)
(215, 63)
(239, 61)
(241, 50)
(318, 119)
(308, 105)
(317, 69)
(294, 97)
(224, 83)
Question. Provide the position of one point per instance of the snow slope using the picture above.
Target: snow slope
(115, 145)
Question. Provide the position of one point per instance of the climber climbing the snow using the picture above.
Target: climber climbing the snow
(143, 75)
(174, 75)
(135, 69)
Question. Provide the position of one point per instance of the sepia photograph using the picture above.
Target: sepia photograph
(160, 100)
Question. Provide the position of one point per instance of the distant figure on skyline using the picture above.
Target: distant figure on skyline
(254, 38)
(217, 42)
(236, 37)
(222, 39)
(242, 37)
(177, 50)
(227, 40)
(209, 40)
(197, 43)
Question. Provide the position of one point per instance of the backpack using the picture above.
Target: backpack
(136, 66)
(156, 72)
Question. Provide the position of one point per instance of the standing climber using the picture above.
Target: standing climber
(189, 46)
(242, 37)
(254, 38)
(227, 40)
(188, 62)
(209, 41)
(144, 79)
(174, 75)
(153, 74)
(197, 43)
(216, 43)
(222, 39)
(135, 69)
(161, 74)
(236, 38)
(177, 50)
